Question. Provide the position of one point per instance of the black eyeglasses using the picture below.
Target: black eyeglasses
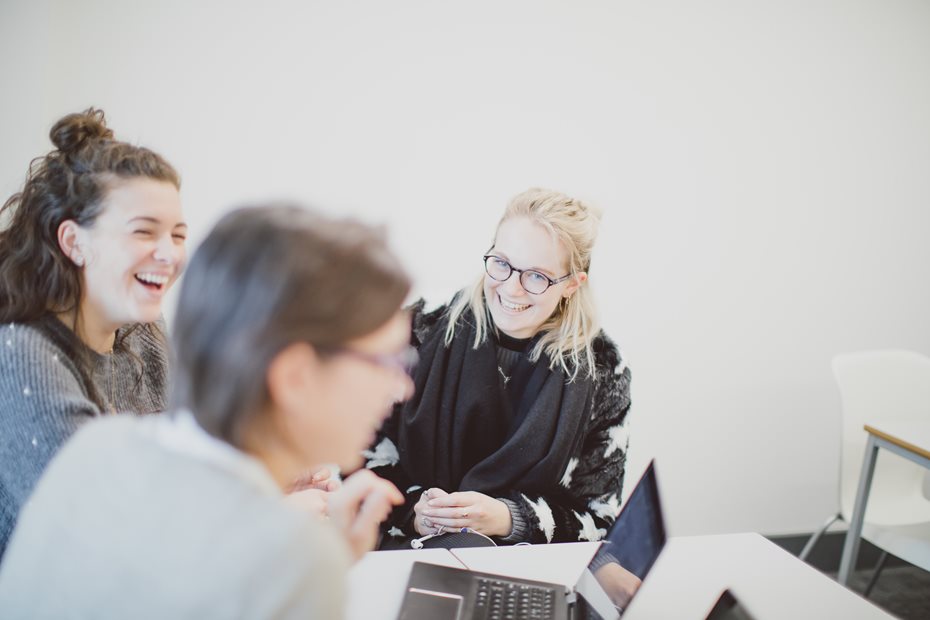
(404, 360)
(533, 282)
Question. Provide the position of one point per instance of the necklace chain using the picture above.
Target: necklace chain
(506, 378)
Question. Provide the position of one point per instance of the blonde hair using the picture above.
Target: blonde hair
(569, 332)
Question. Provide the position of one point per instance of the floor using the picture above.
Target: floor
(902, 591)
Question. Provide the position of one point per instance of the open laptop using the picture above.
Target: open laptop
(634, 541)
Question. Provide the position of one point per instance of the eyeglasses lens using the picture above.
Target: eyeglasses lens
(497, 268)
(534, 282)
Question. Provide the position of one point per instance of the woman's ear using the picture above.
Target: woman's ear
(289, 375)
(69, 241)
(573, 285)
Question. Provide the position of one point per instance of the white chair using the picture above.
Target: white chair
(877, 386)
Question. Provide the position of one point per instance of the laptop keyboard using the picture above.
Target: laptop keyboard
(506, 600)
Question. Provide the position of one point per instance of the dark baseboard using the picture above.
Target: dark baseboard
(826, 555)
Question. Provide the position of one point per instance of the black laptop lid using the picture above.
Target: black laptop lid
(728, 607)
(634, 541)
(638, 535)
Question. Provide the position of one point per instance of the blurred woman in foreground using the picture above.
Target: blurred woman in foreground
(290, 348)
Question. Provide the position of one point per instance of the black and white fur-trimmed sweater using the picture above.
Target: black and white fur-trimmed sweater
(583, 503)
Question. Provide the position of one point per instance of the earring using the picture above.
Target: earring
(78, 260)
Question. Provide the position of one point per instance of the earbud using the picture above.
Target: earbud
(417, 543)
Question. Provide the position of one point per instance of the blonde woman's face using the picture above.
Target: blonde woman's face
(526, 245)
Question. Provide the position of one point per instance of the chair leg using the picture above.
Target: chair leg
(853, 534)
(806, 551)
(878, 569)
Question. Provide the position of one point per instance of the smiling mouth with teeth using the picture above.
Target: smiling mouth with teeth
(513, 307)
(150, 280)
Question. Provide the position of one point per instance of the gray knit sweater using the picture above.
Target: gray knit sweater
(43, 401)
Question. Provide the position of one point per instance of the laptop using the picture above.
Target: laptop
(728, 607)
(634, 541)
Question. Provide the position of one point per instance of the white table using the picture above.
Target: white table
(770, 582)
(683, 584)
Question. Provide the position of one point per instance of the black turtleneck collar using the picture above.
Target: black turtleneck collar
(520, 345)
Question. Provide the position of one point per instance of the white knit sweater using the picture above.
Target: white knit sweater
(153, 518)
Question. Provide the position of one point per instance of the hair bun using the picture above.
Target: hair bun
(73, 130)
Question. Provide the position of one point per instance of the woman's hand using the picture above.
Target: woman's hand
(310, 493)
(619, 583)
(313, 502)
(363, 502)
(453, 511)
(422, 523)
(321, 479)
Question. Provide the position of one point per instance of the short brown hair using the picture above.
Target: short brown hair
(264, 278)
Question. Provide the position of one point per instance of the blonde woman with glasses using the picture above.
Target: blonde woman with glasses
(517, 429)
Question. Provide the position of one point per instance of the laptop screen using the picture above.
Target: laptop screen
(633, 543)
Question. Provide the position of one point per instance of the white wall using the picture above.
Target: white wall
(764, 168)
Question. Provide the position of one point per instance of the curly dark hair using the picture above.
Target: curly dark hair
(67, 184)
(37, 280)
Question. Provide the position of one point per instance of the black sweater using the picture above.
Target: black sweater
(579, 506)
